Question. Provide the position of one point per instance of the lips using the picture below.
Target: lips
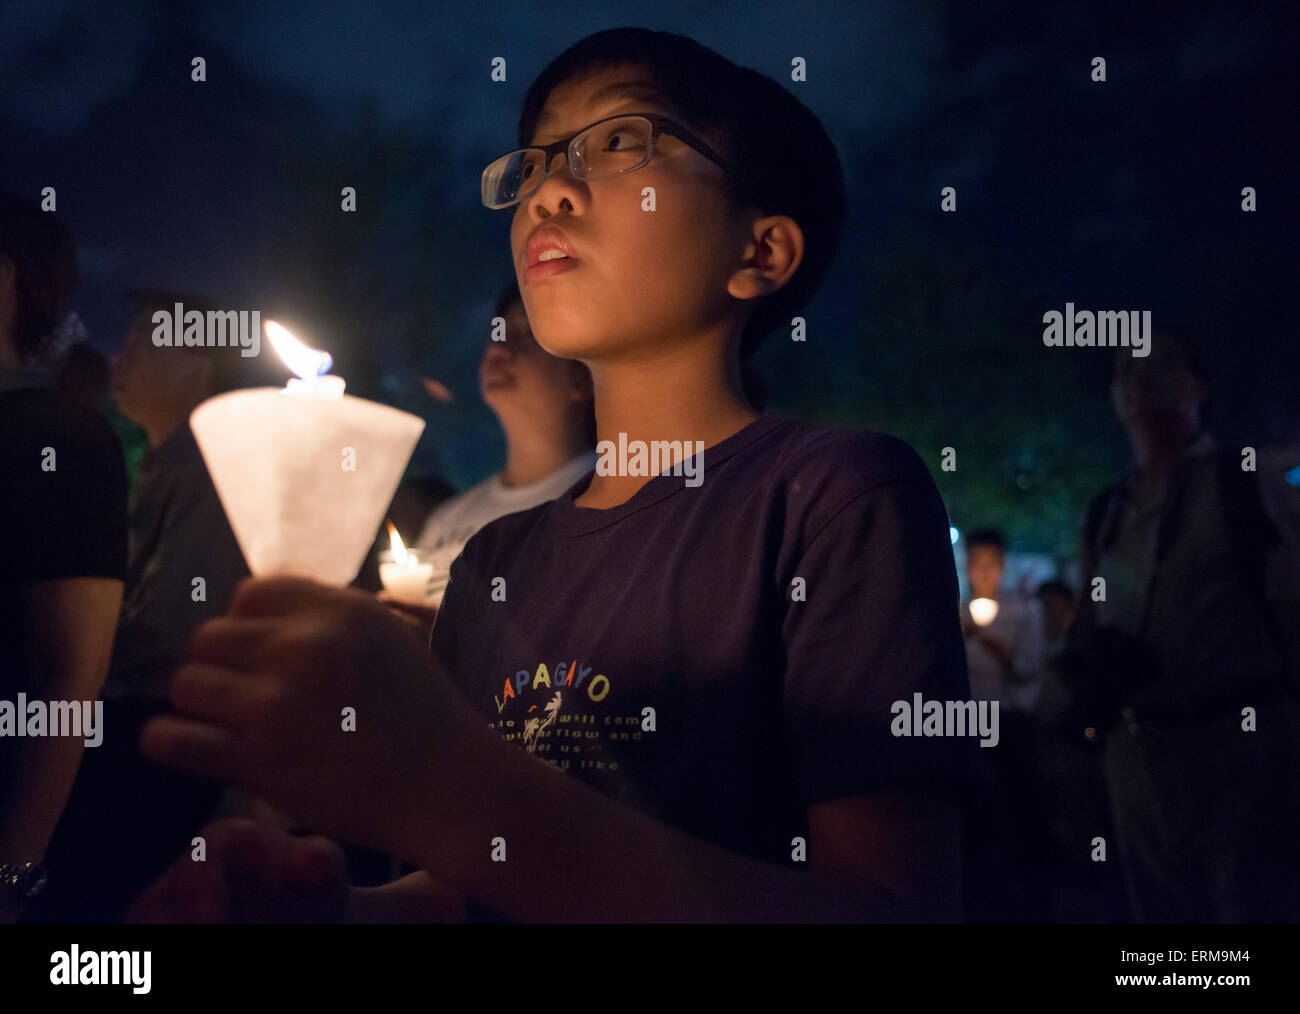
(548, 237)
(546, 269)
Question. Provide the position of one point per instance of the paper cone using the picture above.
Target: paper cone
(281, 467)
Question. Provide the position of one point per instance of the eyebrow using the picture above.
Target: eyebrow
(622, 90)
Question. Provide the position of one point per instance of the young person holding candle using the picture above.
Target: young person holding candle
(716, 664)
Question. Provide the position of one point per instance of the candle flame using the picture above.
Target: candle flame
(983, 611)
(304, 361)
(395, 540)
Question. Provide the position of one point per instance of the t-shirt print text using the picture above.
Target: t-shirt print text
(548, 712)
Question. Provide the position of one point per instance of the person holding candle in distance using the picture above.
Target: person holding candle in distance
(694, 684)
(1006, 840)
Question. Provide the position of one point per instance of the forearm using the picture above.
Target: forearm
(68, 663)
(573, 854)
(38, 784)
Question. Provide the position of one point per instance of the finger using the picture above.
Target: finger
(279, 596)
(233, 643)
(197, 747)
(219, 696)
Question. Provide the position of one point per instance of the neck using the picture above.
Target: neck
(691, 393)
(534, 452)
(160, 427)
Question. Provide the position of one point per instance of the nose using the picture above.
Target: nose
(543, 202)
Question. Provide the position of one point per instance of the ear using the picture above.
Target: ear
(771, 257)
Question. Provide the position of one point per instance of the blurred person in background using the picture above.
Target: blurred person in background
(62, 545)
(1182, 661)
(1004, 657)
(127, 816)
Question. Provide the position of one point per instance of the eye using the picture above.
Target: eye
(622, 139)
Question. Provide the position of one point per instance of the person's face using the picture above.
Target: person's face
(984, 571)
(637, 278)
(149, 382)
(518, 374)
(1153, 388)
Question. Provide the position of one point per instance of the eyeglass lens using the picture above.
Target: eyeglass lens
(605, 149)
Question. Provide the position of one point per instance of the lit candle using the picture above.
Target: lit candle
(311, 365)
(304, 480)
(401, 571)
(983, 611)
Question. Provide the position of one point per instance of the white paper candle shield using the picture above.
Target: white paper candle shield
(305, 481)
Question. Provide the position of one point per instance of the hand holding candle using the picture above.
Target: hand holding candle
(321, 702)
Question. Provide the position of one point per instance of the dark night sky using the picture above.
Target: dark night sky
(1119, 195)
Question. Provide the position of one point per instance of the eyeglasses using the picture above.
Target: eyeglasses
(609, 147)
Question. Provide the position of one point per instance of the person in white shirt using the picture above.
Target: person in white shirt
(545, 408)
(1008, 848)
(1004, 655)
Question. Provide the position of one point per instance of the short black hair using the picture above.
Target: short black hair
(989, 537)
(230, 369)
(1177, 343)
(784, 162)
(44, 253)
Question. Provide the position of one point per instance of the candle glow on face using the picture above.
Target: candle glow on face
(983, 611)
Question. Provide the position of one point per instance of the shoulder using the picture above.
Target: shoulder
(823, 470)
(859, 459)
(455, 509)
(37, 418)
(467, 502)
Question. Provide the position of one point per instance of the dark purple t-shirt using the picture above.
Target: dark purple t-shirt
(770, 616)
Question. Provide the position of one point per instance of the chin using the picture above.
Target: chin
(568, 343)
